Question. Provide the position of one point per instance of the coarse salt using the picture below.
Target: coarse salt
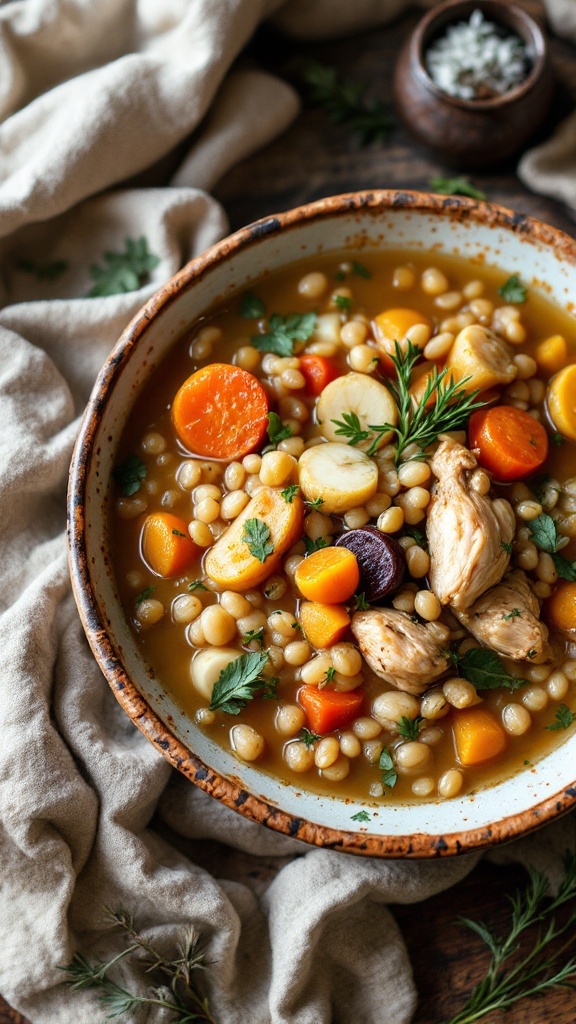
(477, 60)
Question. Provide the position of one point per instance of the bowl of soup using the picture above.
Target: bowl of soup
(323, 523)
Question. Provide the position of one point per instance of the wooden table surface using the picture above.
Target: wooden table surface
(316, 158)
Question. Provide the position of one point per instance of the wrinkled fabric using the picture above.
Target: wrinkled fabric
(91, 95)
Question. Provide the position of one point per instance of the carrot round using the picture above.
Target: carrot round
(221, 412)
(323, 624)
(561, 401)
(511, 444)
(329, 575)
(327, 710)
(560, 608)
(166, 544)
(478, 735)
(318, 371)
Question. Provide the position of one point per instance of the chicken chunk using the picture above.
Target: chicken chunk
(468, 533)
(399, 650)
(507, 619)
(480, 359)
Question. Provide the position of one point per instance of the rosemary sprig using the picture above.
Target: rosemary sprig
(418, 423)
(175, 989)
(538, 969)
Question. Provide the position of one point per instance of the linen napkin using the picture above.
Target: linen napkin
(91, 95)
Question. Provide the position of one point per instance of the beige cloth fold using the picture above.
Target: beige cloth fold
(91, 94)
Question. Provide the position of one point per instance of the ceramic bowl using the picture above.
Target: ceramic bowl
(366, 221)
(473, 134)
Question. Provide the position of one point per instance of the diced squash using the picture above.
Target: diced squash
(560, 607)
(561, 401)
(330, 575)
(166, 544)
(552, 354)
(231, 564)
(327, 710)
(478, 735)
(323, 624)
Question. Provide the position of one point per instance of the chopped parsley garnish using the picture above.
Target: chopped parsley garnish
(315, 504)
(409, 728)
(418, 535)
(130, 474)
(564, 718)
(309, 738)
(178, 533)
(345, 103)
(44, 271)
(196, 585)
(144, 595)
(558, 440)
(290, 492)
(239, 683)
(513, 291)
(277, 431)
(342, 302)
(545, 536)
(360, 816)
(257, 536)
(514, 614)
(251, 307)
(123, 271)
(360, 602)
(360, 270)
(314, 545)
(456, 187)
(389, 774)
(507, 547)
(284, 331)
(254, 635)
(485, 670)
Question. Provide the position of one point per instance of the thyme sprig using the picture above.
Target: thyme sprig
(420, 421)
(175, 989)
(345, 103)
(533, 971)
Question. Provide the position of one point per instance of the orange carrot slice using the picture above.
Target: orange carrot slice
(221, 412)
(327, 710)
(318, 371)
(510, 442)
(329, 575)
(166, 544)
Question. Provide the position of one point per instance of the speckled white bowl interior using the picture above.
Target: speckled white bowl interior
(545, 260)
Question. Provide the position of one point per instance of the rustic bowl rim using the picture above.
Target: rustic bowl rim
(515, 16)
(109, 658)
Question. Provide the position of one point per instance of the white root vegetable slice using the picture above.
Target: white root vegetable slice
(356, 393)
(341, 475)
(206, 666)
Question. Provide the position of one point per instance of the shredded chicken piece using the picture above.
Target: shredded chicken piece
(507, 619)
(399, 650)
(468, 533)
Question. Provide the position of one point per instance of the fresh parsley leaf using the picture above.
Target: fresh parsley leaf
(558, 440)
(565, 569)
(564, 718)
(456, 187)
(277, 431)
(418, 535)
(330, 673)
(144, 595)
(238, 683)
(196, 585)
(270, 689)
(360, 602)
(44, 271)
(314, 545)
(178, 533)
(507, 547)
(514, 614)
(130, 474)
(256, 635)
(409, 728)
(342, 302)
(484, 669)
(360, 270)
(257, 536)
(290, 492)
(345, 103)
(309, 738)
(389, 774)
(284, 331)
(543, 532)
(512, 290)
(251, 307)
(315, 504)
(360, 816)
(123, 271)
(351, 428)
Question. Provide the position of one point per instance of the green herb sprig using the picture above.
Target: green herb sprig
(239, 683)
(130, 474)
(175, 986)
(277, 431)
(410, 728)
(456, 187)
(485, 670)
(389, 773)
(513, 290)
(123, 271)
(251, 307)
(346, 104)
(515, 972)
(564, 718)
(284, 331)
(257, 536)
(544, 533)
